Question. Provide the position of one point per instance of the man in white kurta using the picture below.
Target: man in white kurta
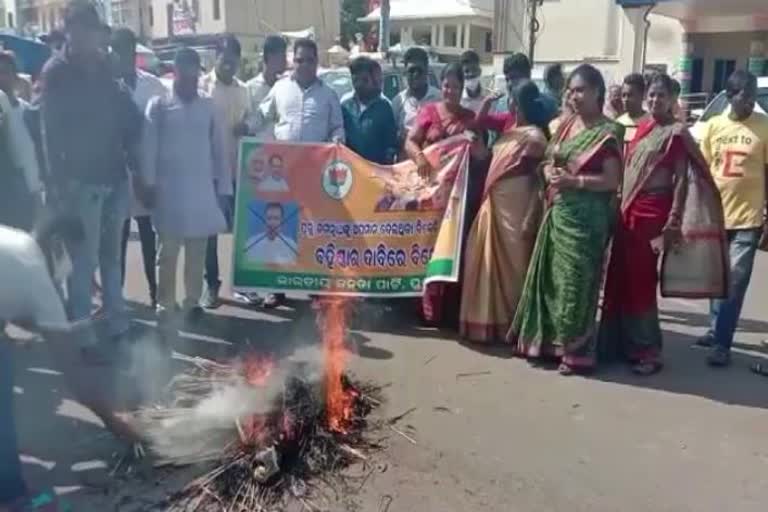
(185, 167)
(143, 87)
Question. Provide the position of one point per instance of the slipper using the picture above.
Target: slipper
(760, 369)
(46, 501)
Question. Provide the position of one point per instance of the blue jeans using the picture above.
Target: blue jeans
(724, 314)
(11, 482)
(102, 210)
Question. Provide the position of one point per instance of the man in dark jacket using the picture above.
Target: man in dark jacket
(91, 128)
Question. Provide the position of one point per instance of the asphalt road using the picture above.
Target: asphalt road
(508, 437)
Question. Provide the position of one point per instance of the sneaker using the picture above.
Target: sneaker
(251, 299)
(719, 358)
(706, 341)
(273, 300)
(210, 299)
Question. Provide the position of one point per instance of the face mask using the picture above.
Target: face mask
(472, 84)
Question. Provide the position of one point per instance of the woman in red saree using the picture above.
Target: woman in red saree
(669, 204)
(436, 122)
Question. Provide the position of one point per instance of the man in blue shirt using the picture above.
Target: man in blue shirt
(369, 122)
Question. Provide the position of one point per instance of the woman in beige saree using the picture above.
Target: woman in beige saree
(501, 240)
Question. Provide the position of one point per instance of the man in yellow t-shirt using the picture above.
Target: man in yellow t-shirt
(735, 145)
(632, 96)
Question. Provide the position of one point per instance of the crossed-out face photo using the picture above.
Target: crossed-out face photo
(272, 233)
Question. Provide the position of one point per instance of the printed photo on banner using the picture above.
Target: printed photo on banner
(406, 191)
(267, 171)
(272, 233)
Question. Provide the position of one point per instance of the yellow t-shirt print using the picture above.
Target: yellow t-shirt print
(737, 152)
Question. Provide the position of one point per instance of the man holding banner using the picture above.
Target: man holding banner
(303, 109)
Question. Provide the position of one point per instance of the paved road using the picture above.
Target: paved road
(514, 438)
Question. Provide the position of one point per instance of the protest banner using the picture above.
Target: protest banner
(319, 219)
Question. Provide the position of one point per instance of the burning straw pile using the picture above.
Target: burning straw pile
(273, 432)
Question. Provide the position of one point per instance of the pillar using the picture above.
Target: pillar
(633, 40)
(467, 36)
(433, 37)
(441, 36)
(756, 62)
(686, 65)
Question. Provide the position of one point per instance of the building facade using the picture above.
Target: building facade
(699, 41)
(250, 20)
(449, 27)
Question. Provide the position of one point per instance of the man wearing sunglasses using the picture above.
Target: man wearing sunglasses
(407, 104)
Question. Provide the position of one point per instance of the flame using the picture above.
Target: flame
(338, 401)
(258, 369)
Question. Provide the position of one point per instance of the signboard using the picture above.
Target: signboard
(319, 219)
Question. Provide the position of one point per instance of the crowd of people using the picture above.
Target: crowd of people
(575, 190)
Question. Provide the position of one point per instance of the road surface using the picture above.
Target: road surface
(511, 437)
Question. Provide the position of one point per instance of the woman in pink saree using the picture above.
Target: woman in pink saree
(436, 122)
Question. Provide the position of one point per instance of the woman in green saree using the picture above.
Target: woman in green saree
(556, 313)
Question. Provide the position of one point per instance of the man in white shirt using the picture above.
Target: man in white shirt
(272, 247)
(275, 63)
(407, 104)
(232, 107)
(473, 95)
(20, 144)
(303, 109)
(143, 87)
(29, 297)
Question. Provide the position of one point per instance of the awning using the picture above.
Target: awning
(307, 33)
(418, 9)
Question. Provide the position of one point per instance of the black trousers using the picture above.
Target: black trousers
(148, 251)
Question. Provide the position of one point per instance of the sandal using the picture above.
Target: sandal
(647, 368)
(41, 502)
(760, 369)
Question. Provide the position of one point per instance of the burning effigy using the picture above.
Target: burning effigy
(268, 430)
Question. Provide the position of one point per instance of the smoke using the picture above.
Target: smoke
(205, 424)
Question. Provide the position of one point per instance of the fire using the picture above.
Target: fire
(258, 369)
(339, 402)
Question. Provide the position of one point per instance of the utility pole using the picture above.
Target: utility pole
(384, 26)
(533, 27)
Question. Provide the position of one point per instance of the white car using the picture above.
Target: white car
(720, 105)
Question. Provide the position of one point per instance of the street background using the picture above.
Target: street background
(492, 432)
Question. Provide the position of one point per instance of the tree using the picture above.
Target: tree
(351, 11)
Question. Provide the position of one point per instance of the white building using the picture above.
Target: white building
(8, 19)
(448, 26)
(699, 41)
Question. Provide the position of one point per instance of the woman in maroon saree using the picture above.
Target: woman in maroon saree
(436, 122)
(670, 205)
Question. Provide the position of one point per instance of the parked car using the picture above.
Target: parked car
(720, 105)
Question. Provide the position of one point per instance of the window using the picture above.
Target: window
(216, 10)
(451, 36)
(151, 16)
(10, 20)
(723, 69)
